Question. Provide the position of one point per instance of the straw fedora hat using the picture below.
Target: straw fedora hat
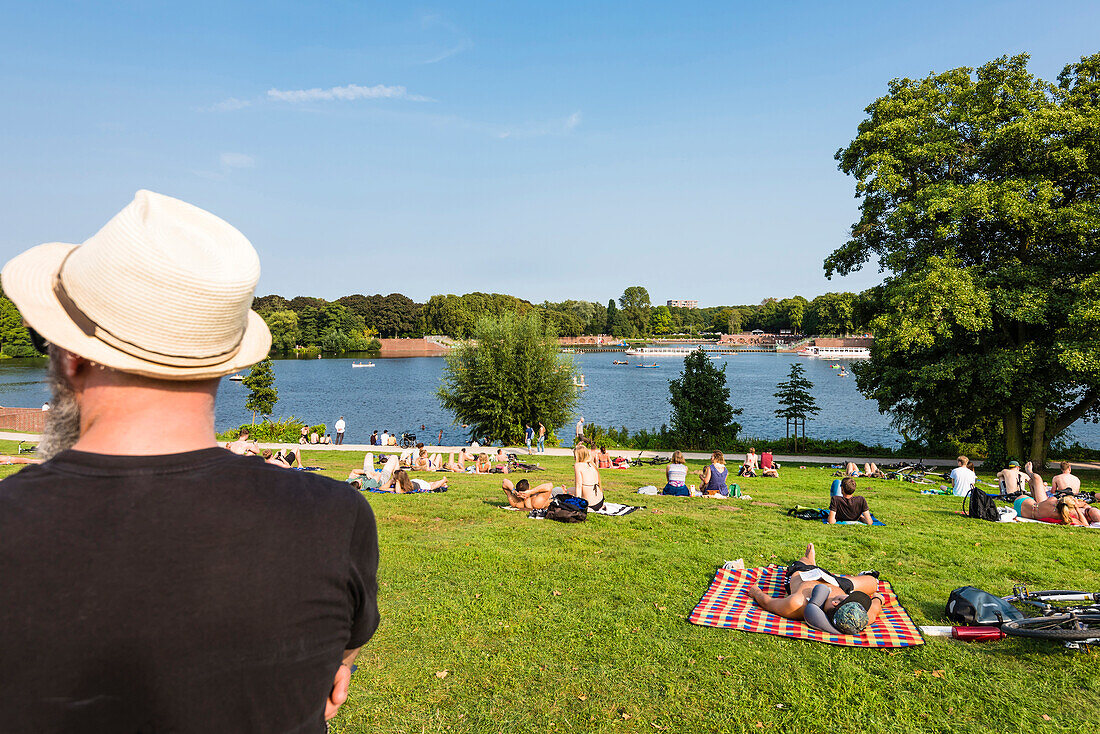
(164, 290)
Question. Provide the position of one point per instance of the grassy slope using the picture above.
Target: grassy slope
(550, 627)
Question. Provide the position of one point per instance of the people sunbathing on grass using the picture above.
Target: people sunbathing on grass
(458, 462)
(426, 462)
(676, 477)
(392, 479)
(370, 478)
(586, 478)
(833, 603)
(849, 506)
(1041, 505)
(523, 496)
(285, 458)
(18, 460)
(713, 477)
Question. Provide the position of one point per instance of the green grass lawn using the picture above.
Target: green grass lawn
(540, 626)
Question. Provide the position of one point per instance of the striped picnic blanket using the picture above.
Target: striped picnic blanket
(727, 604)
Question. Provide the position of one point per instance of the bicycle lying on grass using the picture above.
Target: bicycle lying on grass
(1072, 617)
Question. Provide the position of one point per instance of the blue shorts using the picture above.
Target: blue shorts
(681, 491)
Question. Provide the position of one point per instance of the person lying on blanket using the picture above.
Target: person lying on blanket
(399, 483)
(368, 478)
(849, 507)
(830, 602)
(1060, 511)
(523, 496)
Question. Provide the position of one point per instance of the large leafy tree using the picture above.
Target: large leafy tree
(284, 330)
(701, 410)
(508, 375)
(634, 304)
(980, 199)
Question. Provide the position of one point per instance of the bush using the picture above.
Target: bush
(284, 430)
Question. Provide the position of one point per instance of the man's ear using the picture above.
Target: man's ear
(73, 367)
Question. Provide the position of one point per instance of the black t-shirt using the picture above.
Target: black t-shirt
(848, 508)
(194, 592)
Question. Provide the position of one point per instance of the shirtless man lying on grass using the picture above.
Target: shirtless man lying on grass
(523, 496)
(839, 605)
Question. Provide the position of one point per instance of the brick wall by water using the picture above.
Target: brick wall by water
(24, 420)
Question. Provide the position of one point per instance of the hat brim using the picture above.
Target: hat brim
(28, 281)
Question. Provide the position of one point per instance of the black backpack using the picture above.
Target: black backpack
(567, 508)
(970, 606)
(982, 506)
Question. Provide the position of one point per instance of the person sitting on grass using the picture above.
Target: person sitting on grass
(1065, 483)
(713, 477)
(676, 477)
(603, 459)
(523, 496)
(1058, 510)
(849, 507)
(1012, 481)
(962, 478)
(483, 465)
(586, 478)
(244, 445)
(830, 602)
(768, 466)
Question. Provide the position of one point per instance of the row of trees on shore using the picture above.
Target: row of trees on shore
(351, 323)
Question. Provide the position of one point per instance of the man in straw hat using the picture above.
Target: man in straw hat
(153, 581)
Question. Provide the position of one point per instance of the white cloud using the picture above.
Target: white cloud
(551, 127)
(344, 94)
(228, 105)
(237, 160)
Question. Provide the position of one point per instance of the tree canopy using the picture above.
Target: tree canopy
(701, 411)
(980, 199)
(510, 374)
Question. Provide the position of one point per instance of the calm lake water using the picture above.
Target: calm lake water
(399, 395)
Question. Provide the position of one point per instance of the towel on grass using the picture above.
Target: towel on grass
(727, 604)
(613, 509)
(816, 513)
(1094, 526)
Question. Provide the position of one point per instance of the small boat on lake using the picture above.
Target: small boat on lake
(620, 361)
(648, 366)
(237, 377)
(842, 373)
(362, 364)
(579, 382)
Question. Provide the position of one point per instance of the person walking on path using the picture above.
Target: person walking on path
(528, 436)
(340, 426)
(154, 581)
(580, 430)
(542, 438)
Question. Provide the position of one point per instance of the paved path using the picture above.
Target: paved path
(630, 454)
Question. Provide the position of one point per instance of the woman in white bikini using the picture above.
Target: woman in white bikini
(586, 478)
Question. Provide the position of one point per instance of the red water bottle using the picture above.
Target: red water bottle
(977, 634)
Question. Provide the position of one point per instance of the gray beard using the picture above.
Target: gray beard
(62, 428)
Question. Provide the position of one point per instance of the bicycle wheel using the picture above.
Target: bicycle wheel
(1065, 627)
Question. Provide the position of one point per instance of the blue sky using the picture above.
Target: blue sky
(547, 150)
